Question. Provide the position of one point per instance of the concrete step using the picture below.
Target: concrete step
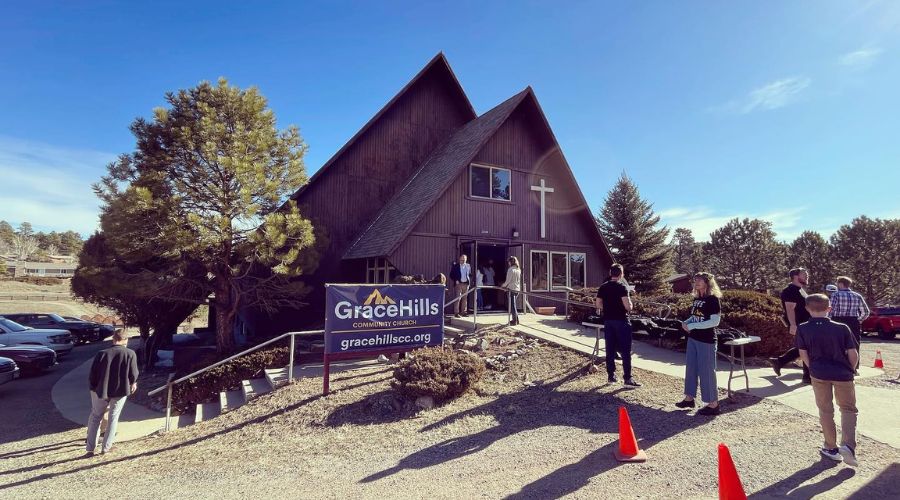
(230, 400)
(206, 411)
(255, 387)
(276, 376)
(181, 421)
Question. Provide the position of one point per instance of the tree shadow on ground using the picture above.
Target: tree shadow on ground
(789, 487)
(596, 412)
(111, 464)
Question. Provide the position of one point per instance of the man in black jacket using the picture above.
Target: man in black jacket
(793, 301)
(113, 378)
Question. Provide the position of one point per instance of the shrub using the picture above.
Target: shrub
(774, 337)
(40, 280)
(207, 386)
(441, 373)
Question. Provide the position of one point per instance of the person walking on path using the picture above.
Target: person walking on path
(849, 308)
(461, 275)
(793, 301)
(113, 378)
(613, 298)
(829, 349)
(700, 357)
(513, 285)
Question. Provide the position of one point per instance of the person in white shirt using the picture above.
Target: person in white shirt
(489, 281)
(513, 285)
(479, 282)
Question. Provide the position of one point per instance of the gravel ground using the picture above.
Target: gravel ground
(542, 428)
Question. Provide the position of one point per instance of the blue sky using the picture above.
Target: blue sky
(784, 110)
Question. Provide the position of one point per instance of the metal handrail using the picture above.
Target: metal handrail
(171, 383)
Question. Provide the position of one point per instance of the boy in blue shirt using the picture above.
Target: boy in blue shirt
(829, 350)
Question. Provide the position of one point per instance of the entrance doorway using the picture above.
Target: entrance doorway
(484, 254)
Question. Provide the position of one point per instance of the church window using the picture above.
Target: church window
(379, 270)
(577, 270)
(559, 270)
(490, 182)
(539, 271)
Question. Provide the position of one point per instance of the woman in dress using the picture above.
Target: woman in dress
(700, 363)
(512, 284)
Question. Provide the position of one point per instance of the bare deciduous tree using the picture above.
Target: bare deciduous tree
(24, 245)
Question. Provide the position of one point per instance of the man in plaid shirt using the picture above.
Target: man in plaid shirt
(849, 307)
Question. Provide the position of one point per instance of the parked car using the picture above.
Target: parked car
(8, 370)
(14, 334)
(84, 331)
(885, 321)
(106, 330)
(30, 358)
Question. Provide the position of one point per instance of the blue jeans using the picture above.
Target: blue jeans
(617, 335)
(479, 298)
(512, 306)
(700, 363)
(98, 408)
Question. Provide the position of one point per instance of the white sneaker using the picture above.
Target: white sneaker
(383, 359)
(831, 453)
(849, 455)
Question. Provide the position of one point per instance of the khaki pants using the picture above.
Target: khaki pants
(463, 305)
(845, 395)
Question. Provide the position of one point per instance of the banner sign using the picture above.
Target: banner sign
(361, 318)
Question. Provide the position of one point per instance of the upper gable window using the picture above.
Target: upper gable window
(490, 182)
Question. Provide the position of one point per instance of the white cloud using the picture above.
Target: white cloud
(860, 59)
(787, 223)
(773, 95)
(49, 186)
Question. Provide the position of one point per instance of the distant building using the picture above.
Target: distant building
(681, 283)
(43, 269)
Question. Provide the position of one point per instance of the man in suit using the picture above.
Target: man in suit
(461, 275)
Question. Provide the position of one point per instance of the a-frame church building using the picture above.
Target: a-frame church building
(427, 178)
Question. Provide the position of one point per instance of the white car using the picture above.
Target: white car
(13, 334)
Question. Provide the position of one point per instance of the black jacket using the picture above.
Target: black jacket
(113, 372)
(456, 274)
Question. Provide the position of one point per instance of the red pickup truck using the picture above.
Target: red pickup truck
(885, 321)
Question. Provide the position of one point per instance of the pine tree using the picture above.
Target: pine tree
(811, 251)
(868, 251)
(744, 254)
(687, 254)
(209, 182)
(630, 228)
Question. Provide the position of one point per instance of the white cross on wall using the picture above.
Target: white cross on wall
(544, 190)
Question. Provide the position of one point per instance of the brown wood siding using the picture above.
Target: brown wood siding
(370, 171)
(521, 146)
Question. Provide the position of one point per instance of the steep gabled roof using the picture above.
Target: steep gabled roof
(437, 63)
(406, 208)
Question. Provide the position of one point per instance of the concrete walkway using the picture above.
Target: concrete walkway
(73, 400)
(879, 418)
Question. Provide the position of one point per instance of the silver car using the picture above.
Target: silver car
(8, 370)
(13, 334)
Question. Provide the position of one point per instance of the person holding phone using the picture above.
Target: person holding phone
(700, 357)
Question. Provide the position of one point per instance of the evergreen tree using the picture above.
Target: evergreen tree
(868, 250)
(687, 254)
(744, 254)
(810, 250)
(630, 228)
(214, 174)
(25, 229)
(6, 233)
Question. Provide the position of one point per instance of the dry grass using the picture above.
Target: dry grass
(541, 428)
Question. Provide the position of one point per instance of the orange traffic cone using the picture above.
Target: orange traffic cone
(730, 487)
(879, 363)
(628, 448)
